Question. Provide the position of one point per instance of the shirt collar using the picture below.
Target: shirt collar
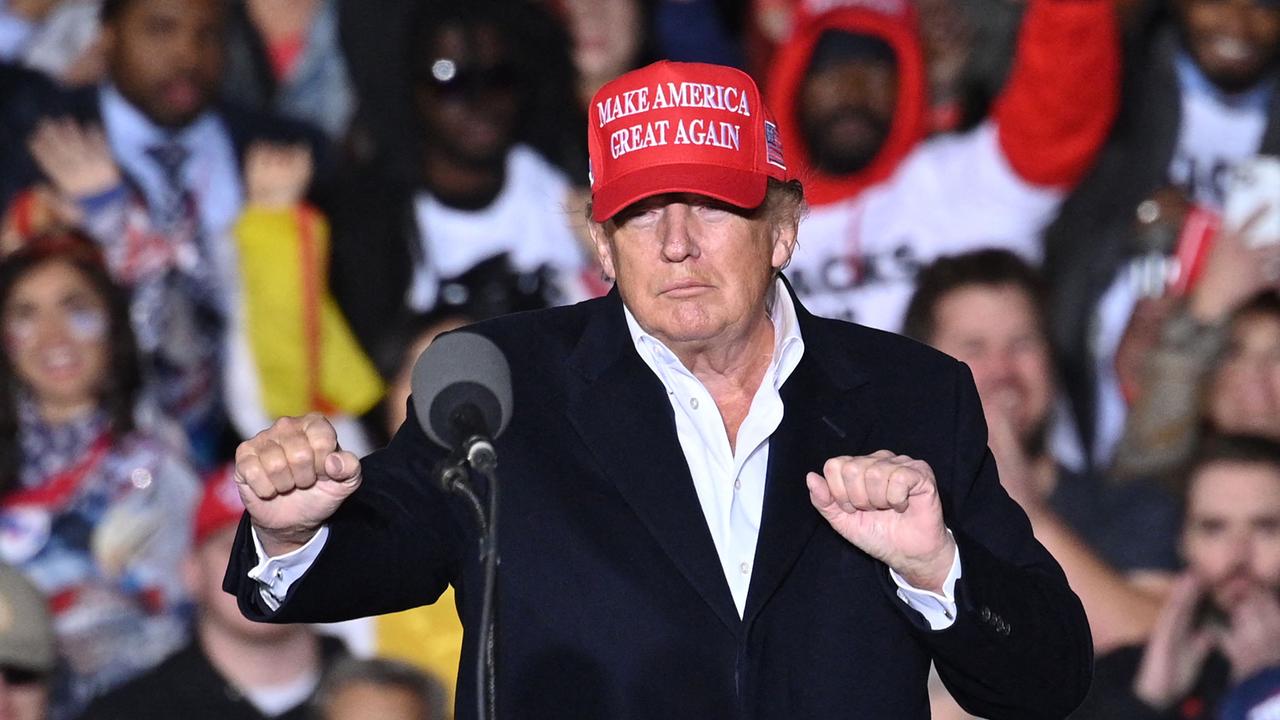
(1194, 81)
(127, 126)
(788, 345)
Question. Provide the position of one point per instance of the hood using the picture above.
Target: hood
(894, 22)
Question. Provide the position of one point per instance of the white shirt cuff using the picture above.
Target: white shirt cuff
(938, 610)
(275, 575)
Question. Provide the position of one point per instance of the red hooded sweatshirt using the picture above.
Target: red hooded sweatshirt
(1053, 116)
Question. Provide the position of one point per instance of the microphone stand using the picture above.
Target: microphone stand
(478, 454)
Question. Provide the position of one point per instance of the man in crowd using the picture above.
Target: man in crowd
(1200, 97)
(378, 688)
(1215, 650)
(28, 649)
(170, 151)
(234, 668)
(715, 503)
(850, 85)
(987, 309)
(477, 193)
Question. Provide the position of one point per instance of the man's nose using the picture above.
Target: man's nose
(677, 230)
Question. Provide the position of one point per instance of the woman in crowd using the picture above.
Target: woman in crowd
(93, 508)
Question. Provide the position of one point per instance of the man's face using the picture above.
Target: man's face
(165, 56)
(846, 112)
(1231, 539)
(1244, 397)
(467, 99)
(1233, 41)
(692, 269)
(995, 330)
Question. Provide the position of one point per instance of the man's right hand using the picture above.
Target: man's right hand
(292, 477)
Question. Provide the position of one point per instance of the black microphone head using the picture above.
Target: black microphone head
(457, 370)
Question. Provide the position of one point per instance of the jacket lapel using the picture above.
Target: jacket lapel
(623, 416)
(827, 414)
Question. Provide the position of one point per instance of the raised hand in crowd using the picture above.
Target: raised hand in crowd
(1177, 648)
(292, 477)
(1016, 467)
(1252, 641)
(76, 159)
(277, 175)
(888, 506)
(1235, 271)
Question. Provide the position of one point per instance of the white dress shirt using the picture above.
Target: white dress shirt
(730, 482)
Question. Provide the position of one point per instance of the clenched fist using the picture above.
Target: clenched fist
(888, 506)
(292, 478)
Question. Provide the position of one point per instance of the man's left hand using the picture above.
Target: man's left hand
(888, 506)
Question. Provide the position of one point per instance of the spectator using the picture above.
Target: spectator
(1215, 650)
(28, 650)
(987, 309)
(850, 89)
(179, 155)
(1222, 376)
(609, 37)
(234, 668)
(287, 57)
(1199, 97)
(93, 505)
(378, 688)
(481, 194)
(56, 37)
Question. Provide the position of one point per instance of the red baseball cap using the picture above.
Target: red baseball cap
(220, 506)
(681, 127)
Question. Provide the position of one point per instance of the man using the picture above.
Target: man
(851, 89)
(170, 152)
(670, 546)
(478, 193)
(28, 649)
(234, 669)
(1199, 98)
(987, 309)
(379, 688)
(1215, 651)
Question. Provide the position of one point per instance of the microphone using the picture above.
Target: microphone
(462, 396)
(462, 399)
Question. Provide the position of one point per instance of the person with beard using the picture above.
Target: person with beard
(987, 309)
(478, 193)
(154, 165)
(850, 86)
(1215, 649)
(1199, 98)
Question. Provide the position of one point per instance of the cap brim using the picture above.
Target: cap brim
(737, 187)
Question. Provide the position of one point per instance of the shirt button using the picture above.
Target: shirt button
(693, 403)
(279, 573)
(737, 484)
(744, 568)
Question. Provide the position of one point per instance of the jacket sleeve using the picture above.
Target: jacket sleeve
(1020, 646)
(1063, 92)
(396, 543)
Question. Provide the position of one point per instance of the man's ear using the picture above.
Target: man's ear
(785, 235)
(604, 248)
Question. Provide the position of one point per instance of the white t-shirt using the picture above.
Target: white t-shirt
(857, 260)
(529, 220)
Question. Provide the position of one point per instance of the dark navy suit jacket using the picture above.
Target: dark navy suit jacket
(612, 601)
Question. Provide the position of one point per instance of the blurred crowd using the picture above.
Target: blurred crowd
(215, 213)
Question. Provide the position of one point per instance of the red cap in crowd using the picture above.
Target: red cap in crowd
(681, 127)
(220, 506)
